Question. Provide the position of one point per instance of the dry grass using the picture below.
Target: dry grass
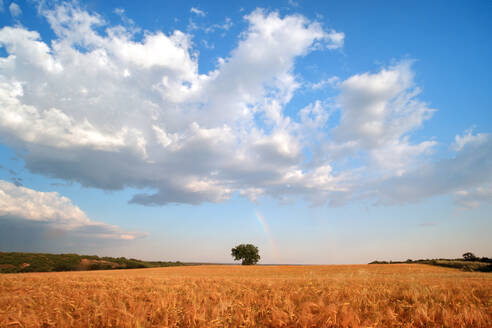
(406, 295)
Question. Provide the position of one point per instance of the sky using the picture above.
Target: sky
(323, 132)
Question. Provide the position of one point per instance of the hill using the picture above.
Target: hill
(14, 262)
(483, 264)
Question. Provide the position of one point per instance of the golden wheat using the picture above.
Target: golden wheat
(406, 295)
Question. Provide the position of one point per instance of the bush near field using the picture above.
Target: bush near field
(14, 262)
(482, 264)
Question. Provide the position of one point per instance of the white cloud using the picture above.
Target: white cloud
(54, 128)
(314, 116)
(468, 138)
(119, 11)
(110, 111)
(473, 197)
(217, 27)
(14, 9)
(397, 156)
(330, 82)
(380, 106)
(21, 203)
(336, 39)
(197, 12)
(466, 176)
(128, 22)
(293, 3)
(143, 110)
(378, 113)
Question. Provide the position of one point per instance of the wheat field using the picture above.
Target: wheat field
(403, 295)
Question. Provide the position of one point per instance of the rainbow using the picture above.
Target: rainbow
(266, 229)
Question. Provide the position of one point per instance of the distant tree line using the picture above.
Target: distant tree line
(13, 262)
(468, 262)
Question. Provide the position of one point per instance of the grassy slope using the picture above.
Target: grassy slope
(479, 265)
(464, 265)
(39, 262)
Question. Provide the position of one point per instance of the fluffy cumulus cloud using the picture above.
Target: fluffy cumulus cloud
(55, 211)
(468, 175)
(379, 111)
(109, 109)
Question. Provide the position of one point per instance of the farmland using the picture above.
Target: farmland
(400, 295)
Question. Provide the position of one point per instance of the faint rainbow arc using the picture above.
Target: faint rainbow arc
(266, 230)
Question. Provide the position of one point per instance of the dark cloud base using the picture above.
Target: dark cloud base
(20, 235)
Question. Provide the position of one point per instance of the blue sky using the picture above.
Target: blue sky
(322, 132)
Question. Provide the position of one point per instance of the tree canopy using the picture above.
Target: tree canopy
(248, 253)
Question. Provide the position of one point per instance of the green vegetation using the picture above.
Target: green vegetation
(469, 262)
(39, 262)
(248, 253)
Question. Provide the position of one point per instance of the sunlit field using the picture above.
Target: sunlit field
(404, 295)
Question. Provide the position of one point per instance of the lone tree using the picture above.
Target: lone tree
(468, 256)
(248, 253)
